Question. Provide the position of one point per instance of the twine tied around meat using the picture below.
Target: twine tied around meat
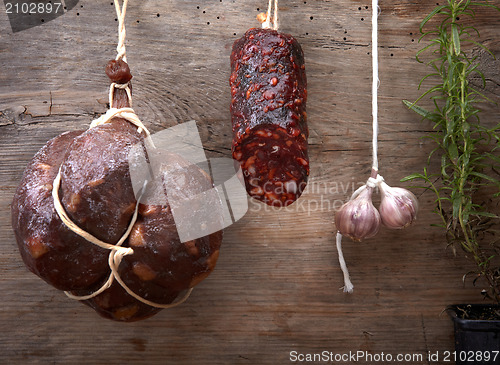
(117, 251)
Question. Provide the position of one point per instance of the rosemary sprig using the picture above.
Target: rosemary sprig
(468, 150)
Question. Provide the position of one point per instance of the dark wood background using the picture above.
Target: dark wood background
(276, 285)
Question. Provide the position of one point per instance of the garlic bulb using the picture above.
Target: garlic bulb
(398, 207)
(358, 218)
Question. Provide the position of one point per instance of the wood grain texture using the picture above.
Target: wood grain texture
(276, 286)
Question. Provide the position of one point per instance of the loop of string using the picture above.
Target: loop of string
(271, 22)
(125, 87)
(125, 113)
(373, 182)
(378, 179)
(117, 252)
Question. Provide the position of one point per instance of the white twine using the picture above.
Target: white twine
(117, 252)
(125, 113)
(125, 87)
(348, 287)
(274, 20)
(375, 82)
(372, 182)
(73, 227)
(120, 14)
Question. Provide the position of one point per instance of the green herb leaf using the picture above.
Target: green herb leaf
(493, 157)
(456, 38)
(453, 150)
(412, 177)
(485, 177)
(428, 17)
(444, 165)
(421, 111)
(486, 214)
(457, 203)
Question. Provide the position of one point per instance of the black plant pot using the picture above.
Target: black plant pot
(477, 341)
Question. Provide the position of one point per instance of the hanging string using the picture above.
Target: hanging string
(271, 22)
(348, 287)
(375, 82)
(120, 14)
(121, 53)
(375, 179)
(117, 252)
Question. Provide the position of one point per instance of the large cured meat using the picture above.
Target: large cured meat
(97, 194)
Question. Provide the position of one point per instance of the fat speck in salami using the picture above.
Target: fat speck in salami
(268, 110)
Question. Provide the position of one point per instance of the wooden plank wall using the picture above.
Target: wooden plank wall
(276, 286)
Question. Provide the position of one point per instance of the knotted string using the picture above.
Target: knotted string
(125, 87)
(375, 179)
(117, 252)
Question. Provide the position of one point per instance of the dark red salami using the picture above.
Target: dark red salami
(268, 110)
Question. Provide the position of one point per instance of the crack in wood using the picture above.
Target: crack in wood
(425, 335)
(217, 151)
(9, 117)
(344, 150)
(50, 106)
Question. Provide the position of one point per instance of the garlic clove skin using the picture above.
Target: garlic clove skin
(358, 218)
(398, 207)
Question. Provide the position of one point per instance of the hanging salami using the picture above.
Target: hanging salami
(268, 110)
